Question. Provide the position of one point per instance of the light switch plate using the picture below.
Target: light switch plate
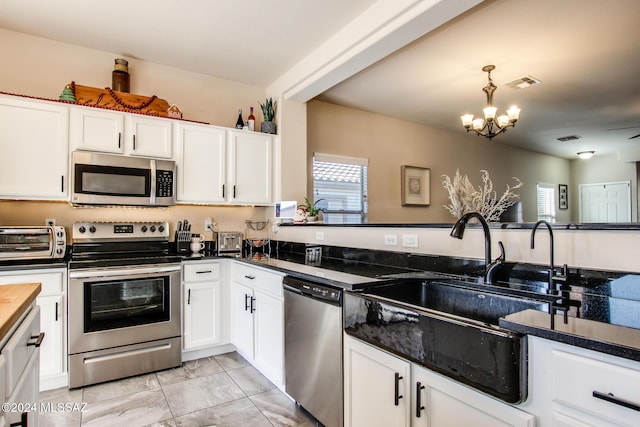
(391, 240)
(319, 235)
(410, 240)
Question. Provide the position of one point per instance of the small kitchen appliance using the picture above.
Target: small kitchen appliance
(230, 244)
(124, 301)
(32, 242)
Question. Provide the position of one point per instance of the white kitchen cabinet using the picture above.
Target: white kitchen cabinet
(250, 167)
(384, 390)
(34, 145)
(376, 387)
(201, 158)
(94, 129)
(437, 401)
(567, 378)
(52, 303)
(257, 319)
(202, 302)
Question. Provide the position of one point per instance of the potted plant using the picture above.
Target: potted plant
(269, 113)
(312, 209)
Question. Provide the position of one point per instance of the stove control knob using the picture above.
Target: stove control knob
(144, 228)
(161, 228)
(82, 229)
(59, 251)
(152, 228)
(92, 229)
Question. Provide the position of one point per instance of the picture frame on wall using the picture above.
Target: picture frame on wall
(563, 196)
(416, 184)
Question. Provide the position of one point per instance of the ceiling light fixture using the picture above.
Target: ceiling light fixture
(585, 155)
(491, 125)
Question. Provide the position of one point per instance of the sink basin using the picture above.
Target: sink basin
(447, 327)
(459, 300)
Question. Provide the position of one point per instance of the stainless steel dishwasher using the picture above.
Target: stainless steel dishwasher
(313, 348)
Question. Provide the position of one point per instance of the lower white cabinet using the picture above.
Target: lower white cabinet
(202, 305)
(584, 388)
(387, 391)
(257, 319)
(53, 321)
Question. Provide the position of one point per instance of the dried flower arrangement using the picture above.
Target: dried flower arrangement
(465, 198)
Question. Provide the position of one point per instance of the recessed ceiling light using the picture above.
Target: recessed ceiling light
(585, 154)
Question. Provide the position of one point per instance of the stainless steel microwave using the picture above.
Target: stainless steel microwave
(107, 179)
(32, 242)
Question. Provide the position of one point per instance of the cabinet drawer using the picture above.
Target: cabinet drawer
(200, 272)
(576, 378)
(20, 347)
(51, 282)
(259, 279)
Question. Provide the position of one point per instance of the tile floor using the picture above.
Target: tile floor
(223, 391)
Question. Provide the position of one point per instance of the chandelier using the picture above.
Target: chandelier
(491, 125)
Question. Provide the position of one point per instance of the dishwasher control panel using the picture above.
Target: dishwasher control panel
(313, 290)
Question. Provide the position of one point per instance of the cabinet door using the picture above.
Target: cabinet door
(34, 147)
(201, 163)
(201, 314)
(148, 136)
(443, 402)
(242, 319)
(376, 387)
(52, 356)
(251, 167)
(93, 129)
(269, 336)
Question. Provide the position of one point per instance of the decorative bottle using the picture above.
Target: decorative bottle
(120, 76)
(239, 122)
(251, 120)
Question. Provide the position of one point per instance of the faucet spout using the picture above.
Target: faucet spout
(458, 231)
(551, 262)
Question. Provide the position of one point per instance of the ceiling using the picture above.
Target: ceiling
(584, 52)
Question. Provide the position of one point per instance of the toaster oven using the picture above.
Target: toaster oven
(32, 242)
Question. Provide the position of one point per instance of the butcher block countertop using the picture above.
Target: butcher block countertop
(14, 300)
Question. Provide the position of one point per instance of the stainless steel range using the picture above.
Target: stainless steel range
(124, 301)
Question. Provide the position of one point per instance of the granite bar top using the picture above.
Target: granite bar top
(598, 336)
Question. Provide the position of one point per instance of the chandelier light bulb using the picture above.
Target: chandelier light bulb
(490, 126)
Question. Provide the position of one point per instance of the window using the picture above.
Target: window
(342, 184)
(547, 202)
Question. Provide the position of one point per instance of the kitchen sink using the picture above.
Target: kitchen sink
(452, 297)
(449, 327)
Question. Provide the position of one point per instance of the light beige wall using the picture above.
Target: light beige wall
(389, 143)
(39, 67)
(601, 169)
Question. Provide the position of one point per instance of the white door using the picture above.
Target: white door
(250, 168)
(269, 336)
(371, 377)
(95, 130)
(148, 136)
(201, 163)
(242, 319)
(201, 314)
(605, 202)
(35, 149)
(51, 323)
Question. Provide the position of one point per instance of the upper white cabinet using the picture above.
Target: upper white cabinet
(94, 129)
(34, 147)
(201, 156)
(250, 167)
(218, 165)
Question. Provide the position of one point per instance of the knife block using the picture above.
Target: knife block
(183, 240)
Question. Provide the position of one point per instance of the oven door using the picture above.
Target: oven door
(118, 306)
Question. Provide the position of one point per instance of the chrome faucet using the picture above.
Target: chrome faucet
(554, 277)
(458, 231)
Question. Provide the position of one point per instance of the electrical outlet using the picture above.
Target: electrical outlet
(319, 235)
(410, 240)
(391, 240)
(208, 223)
(50, 222)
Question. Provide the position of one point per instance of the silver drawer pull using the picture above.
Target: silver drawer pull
(38, 340)
(609, 397)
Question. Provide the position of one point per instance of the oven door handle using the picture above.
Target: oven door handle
(123, 271)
